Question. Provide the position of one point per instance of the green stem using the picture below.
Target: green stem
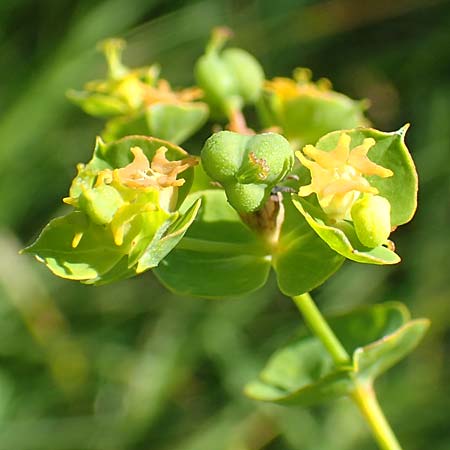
(365, 398)
(319, 326)
(363, 394)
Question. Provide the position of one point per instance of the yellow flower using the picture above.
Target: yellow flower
(161, 173)
(287, 88)
(338, 176)
(163, 93)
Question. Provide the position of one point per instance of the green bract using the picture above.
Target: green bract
(138, 102)
(365, 184)
(230, 78)
(248, 167)
(305, 111)
(125, 219)
(220, 256)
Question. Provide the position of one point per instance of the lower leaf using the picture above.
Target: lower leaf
(219, 256)
(303, 373)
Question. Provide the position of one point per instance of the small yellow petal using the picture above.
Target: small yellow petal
(342, 150)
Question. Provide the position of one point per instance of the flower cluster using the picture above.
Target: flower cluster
(137, 101)
(338, 176)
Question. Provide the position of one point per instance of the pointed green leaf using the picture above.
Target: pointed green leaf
(120, 127)
(343, 240)
(176, 122)
(149, 252)
(377, 357)
(162, 245)
(95, 254)
(218, 257)
(301, 373)
(98, 105)
(302, 260)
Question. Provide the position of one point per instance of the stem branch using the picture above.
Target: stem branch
(363, 394)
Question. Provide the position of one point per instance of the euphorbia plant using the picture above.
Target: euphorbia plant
(316, 189)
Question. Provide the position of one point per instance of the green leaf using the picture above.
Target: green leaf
(119, 127)
(171, 122)
(218, 257)
(150, 226)
(151, 253)
(95, 254)
(98, 105)
(302, 260)
(390, 152)
(303, 373)
(162, 245)
(309, 117)
(176, 122)
(120, 271)
(343, 240)
(377, 357)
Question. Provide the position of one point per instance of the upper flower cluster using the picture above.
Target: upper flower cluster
(306, 110)
(288, 88)
(138, 101)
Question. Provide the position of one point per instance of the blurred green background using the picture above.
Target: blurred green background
(133, 367)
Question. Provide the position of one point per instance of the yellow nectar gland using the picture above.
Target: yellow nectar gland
(337, 177)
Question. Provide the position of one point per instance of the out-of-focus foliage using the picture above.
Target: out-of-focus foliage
(132, 367)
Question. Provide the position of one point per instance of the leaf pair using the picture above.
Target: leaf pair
(302, 373)
(220, 256)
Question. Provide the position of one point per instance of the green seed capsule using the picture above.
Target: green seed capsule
(371, 218)
(229, 79)
(247, 72)
(248, 167)
(100, 203)
(217, 82)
